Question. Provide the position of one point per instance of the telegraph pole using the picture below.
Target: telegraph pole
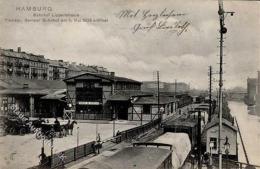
(158, 94)
(222, 30)
(210, 93)
(175, 87)
(199, 139)
(175, 94)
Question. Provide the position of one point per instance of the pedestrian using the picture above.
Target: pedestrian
(43, 158)
(62, 158)
(118, 137)
(98, 143)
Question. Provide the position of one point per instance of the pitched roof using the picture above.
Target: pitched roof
(107, 77)
(23, 55)
(154, 100)
(181, 122)
(16, 83)
(125, 95)
(57, 63)
(26, 91)
(215, 122)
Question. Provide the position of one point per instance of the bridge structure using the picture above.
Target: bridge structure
(236, 95)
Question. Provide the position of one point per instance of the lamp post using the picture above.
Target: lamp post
(114, 124)
(161, 112)
(51, 149)
(77, 137)
(211, 145)
(192, 157)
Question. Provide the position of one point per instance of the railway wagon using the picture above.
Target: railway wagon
(180, 145)
(184, 100)
(149, 156)
(183, 125)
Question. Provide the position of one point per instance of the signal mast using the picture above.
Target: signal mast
(223, 30)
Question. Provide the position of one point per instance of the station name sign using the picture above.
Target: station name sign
(89, 103)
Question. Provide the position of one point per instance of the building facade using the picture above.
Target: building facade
(145, 108)
(21, 64)
(258, 95)
(26, 95)
(251, 91)
(229, 146)
(57, 70)
(30, 66)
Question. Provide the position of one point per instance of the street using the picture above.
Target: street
(23, 151)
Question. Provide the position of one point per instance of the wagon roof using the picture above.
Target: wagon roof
(132, 158)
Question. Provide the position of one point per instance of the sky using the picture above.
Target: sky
(113, 44)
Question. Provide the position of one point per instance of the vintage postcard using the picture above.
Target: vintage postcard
(129, 84)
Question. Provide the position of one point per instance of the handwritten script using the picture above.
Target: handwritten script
(147, 20)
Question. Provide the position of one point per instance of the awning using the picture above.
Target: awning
(24, 91)
(125, 95)
(153, 100)
(53, 97)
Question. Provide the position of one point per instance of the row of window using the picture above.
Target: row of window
(21, 62)
(127, 86)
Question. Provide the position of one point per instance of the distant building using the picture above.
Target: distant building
(57, 70)
(258, 95)
(251, 91)
(21, 64)
(73, 70)
(77, 69)
(150, 86)
(31, 66)
(90, 95)
(179, 86)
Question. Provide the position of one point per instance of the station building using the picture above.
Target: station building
(229, 145)
(32, 97)
(99, 96)
(146, 107)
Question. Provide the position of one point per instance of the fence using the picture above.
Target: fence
(93, 116)
(134, 132)
(67, 156)
(76, 153)
(231, 164)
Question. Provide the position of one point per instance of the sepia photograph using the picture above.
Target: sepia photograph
(130, 84)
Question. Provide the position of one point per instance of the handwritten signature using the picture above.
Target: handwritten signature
(148, 14)
(178, 27)
(148, 20)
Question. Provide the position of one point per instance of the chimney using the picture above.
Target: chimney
(25, 86)
(19, 49)
(258, 83)
(112, 74)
